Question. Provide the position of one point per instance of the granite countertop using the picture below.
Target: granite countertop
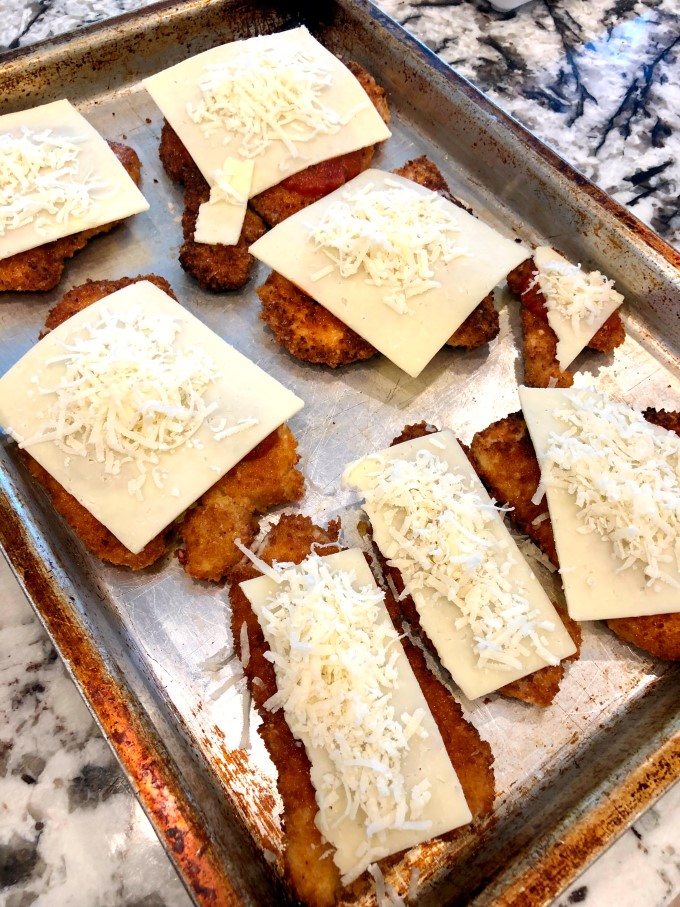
(597, 80)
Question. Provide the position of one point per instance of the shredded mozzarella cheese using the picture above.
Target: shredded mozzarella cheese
(336, 665)
(442, 539)
(625, 477)
(573, 293)
(127, 394)
(41, 181)
(264, 95)
(396, 235)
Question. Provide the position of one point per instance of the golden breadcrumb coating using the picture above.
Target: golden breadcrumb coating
(229, 510)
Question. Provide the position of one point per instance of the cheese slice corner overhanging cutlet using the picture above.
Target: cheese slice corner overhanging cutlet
(309, 860)
(504, 456)
(233, 476)
(197, 151)
(460, 578)
(336, 317)
(563, 310)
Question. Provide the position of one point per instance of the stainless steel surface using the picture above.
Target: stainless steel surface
(163, 640)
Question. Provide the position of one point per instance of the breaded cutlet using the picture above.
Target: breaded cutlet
(504, 458)
(538, 688)
(40, 269)
(311, 333)
(540, 342)
(315, 880)
(264, 478)
(218, 267)
(229, 510)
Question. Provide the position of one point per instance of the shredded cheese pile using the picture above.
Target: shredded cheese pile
(395, 234)
(335, 665)
(625, 476)
(41, 181)
(573, 293)
(442, 539)
(271, 94)
(126, 394)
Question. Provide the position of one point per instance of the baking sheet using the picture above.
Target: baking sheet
(158, 643)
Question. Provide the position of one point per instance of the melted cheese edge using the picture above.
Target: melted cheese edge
(455, 645)
(593, 587)
(483, 260)
(425, 759)
(176, 90)
(591, 310)
(247, 405)
(117, 198)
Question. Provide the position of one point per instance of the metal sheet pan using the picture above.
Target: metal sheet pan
(151, 651)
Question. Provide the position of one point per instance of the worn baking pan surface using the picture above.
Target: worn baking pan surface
(152, 651)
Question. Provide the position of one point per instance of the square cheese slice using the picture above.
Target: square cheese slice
(177, 91)
(571, 292)
(451, 633)
(424, 759)
(92, 187)
(409, 339)
(248, 405)
(595, 586)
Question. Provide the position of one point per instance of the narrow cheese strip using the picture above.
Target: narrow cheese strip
(57, 177)
(604, 467)
(137, 408)
(382, 777)
(220, 220)
(407, 268)
(578, 302)
(478, 602)
(282, 100)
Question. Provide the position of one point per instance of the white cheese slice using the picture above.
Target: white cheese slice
(111, 196)
(220, 220)
(410, 340)
(249, 404)
(424, 759)
(177, 92)
(594, 584)
(441, 618)
(577, 302)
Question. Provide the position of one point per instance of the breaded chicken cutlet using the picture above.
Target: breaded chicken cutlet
(504, 457)
(311, 333)
(264, 478)
(538, 688)
(312, 875)
(218, 267)
(40, 269)
(541, 368)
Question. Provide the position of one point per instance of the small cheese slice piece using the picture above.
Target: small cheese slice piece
(220, 220)
(578, 302)
(471, 613)
(73, 182)
(242, 404)
(457, 284)
(177, 91)
(595, 585)
(342, 675)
